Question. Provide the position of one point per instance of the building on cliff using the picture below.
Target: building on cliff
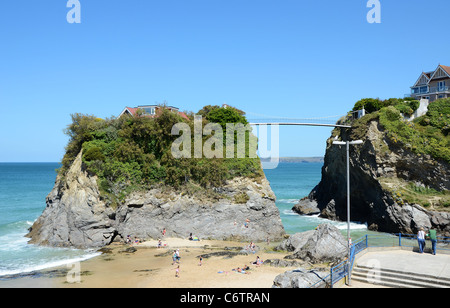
(150, 111)
(432, 85)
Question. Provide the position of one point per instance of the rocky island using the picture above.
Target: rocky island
(400, 175)
(118, 179)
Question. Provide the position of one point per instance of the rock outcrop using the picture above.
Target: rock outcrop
(301, 278)
(325, 244)
(377, 167)
(76, 215)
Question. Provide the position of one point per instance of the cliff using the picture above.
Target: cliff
(77, 216)
(396, 185)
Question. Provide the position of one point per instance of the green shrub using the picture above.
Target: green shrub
(134, 153)
(406, 106)
(425, 135)
(369, 104)
(241, 198)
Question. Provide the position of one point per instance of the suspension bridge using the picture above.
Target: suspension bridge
(330, 121)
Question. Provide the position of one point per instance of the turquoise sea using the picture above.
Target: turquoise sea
(293, 181)
(24, 186)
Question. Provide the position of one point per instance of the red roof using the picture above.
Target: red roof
(446, 68)
(183, 115)
(132, 110)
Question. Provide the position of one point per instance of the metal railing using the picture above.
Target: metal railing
(439, 89)
(430, 90)
(342, 270)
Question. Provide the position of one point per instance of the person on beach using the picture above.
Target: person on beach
(193, 238)
(164, 232)
(177, 255)
(243, 270)
(177, 272)
(421, 240)
(159, 244)
(258, 261)
(200, 260)
(174, 257)
(432, 235)
(246, 223)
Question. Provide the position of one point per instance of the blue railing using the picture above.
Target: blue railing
(341, 270)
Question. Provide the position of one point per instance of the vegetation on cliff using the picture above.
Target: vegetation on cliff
(134, 152)
(427, 136)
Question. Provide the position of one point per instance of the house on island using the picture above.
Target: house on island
(151, 111)
(433, 85)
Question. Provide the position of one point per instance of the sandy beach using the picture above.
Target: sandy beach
(152, 267)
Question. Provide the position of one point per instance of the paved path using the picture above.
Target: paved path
(409, 261)
(406, 261)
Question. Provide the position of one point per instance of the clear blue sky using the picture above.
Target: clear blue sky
(287, 58)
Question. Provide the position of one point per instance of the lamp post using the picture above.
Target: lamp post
(347, 144)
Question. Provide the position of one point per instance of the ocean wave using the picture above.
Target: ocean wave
(290, 201)
(315, 219)
(28, 268)
(18, 257)
(353, 226)
(15, 226)
(290, 213)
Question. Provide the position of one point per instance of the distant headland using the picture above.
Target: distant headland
(299, 159)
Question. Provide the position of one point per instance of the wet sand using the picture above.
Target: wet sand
(151, 267)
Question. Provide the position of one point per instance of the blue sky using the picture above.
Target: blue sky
(286, 58)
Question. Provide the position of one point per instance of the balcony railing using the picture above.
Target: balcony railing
(439, 89)
(431, 90)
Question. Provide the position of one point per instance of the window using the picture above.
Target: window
(150, 110)
(441, 85)
(424, 89)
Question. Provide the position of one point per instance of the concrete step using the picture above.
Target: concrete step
(397, 279)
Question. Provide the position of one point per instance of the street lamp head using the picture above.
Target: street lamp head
(339, 143)
(356, 142)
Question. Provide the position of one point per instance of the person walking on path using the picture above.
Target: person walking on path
(421, 240)
(432, 235)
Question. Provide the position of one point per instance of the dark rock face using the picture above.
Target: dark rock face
(371, 163)
(76, 216)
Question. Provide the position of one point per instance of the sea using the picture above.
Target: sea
(24, 187)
